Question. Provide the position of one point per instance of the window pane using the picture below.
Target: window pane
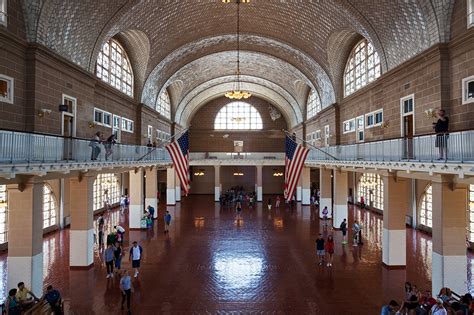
(238, 115)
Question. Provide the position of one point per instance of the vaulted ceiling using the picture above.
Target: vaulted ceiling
(188, 47)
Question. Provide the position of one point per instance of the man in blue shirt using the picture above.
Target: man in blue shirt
(167, 221)
(126, 288)
(390, 308)
(54, 299)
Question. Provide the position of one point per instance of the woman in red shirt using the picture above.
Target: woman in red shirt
(329, 247)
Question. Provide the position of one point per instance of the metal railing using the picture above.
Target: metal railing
(237, 156)
(455, 147)
(22, 147)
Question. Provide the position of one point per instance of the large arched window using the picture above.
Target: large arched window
(363, 67)
(114, 67)
(313, 105)
(470, 213)
(164, 104)
(371, 188)
(50, 208)
(239, 116)
(106, 189)
(3, 214)
(426, 207)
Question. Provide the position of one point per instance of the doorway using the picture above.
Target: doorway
(360, 127)
(68, 125)
(407, 113)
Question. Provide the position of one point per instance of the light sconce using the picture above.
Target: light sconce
(199, 173)
(92, 124)
(238, 174)
(430, 113)
(42, 112)
(277, 174)
(385, 124)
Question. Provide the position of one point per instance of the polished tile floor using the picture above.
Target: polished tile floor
(264, 264)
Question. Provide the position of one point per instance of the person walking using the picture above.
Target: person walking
(118, 253)
(355, 233)
(325, 215)
(167, 219)
(109, 260)
(329, 248)
(320, 249)
(126, 289)
(238, 208)
(269, 204)
(136, 255)
(441, 128)
(277, 203)
(151, 211)
(120, 233)
(109, 142)
(343, 228)
(101, 222)
(95, 145)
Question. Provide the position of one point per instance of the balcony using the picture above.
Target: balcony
(233, 158)
(31, 153)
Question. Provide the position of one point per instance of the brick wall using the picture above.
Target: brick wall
(203, 137)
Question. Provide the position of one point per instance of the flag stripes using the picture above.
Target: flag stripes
(179, 152)
(294, 161)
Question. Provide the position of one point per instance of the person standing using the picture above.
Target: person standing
(325, 215)
(122, 205)
(101, 222)
(95, 145)
(151, 211)
(329, 248)
(343, 228)
(441, 128)
(238, 208)
(118, 253)
(355, 233)
(136, 255)
(167, 219)
(12, 306)
(269, 204)
(120, 233)
(320, 249)
(109, 142)
(109, 260)
(277, 204)
(126, 289)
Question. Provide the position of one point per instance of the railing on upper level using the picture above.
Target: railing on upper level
(455, 147)
(23, 147)
(237, 156)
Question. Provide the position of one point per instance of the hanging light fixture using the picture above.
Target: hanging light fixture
(237, 93)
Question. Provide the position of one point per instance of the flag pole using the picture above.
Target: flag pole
(304, 141)
(164, 143)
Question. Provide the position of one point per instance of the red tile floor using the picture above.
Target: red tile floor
(266, 264)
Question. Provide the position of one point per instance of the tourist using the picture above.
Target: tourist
(151, 211)
(95, 145)
(101, 222)
(355, 233)
(22, 296)
(343, 228)
(277, 203)
(109, 142)
(320, 249)
(53, 297)
(441, 128)
(389, 309)
(118, 253)
(12, 306)
(238, 208)
(136, 255)
(438, 309)
(120, 233)
(325, 215)
(122, 204)
(426, 302)
(167, 219)
(329, 248)
(362, 202)
(126, 288)
(269, 203)
(109, 260)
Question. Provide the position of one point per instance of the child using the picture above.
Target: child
(329, 247)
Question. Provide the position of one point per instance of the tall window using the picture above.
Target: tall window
(363, 67)
(371, 188)
(426, 207)
(106, 190)
(164, 104)
(313, 105)
(114, 67)
(470, 13)
(3, 12)
(49, 207)
(470, 213)
(238, 115)
(3, 214)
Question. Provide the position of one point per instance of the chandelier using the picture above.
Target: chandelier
(237, 93)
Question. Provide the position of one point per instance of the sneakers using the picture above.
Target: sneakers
(109, 275)
(328, 264)
(344, 242)
(136, 275)
(355, 245)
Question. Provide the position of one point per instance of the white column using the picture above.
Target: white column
(136, 207)
(81, 234)
(395, 203)
(298, 191)
(449, 262)
(170, 187)
(217, 182)
(25, 236)
(325, 192)
(306, 186)
(151, 190)
(259, 183)
(340, 197)
(177, 188)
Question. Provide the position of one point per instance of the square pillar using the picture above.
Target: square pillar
(151, 190)
(81, 234)
(325, 192)
(217, 182)
(170, 187)
(178, 188)
(298, 190)
(259, 183)
(395, 200)
(449, 263)
(25, 236)
(136, 207)
(340, 198)
(306, 186)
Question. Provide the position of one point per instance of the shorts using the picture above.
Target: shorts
(320, 252)
(136, 263)
(344, 233)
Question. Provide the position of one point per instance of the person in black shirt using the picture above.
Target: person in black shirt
(343, 228)
(441, 128)
(320, 249)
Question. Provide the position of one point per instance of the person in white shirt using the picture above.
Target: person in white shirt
(136, 254)
(438, 309)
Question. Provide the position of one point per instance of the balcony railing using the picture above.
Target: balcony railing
(237, 156)
(459, 147)
(22, 147)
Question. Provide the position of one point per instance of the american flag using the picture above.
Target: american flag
(294, 161)
(179, 151)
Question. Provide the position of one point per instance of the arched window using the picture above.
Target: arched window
(239, 116)
(163, 106)
(426, 207)
(50, 208)
(371, 188)
(470, 213)
(313, 105)
(114, 67)
(106, 189)
(363, 67)
(3, 214)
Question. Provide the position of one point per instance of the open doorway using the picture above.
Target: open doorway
(68, 125)
(407, 113)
